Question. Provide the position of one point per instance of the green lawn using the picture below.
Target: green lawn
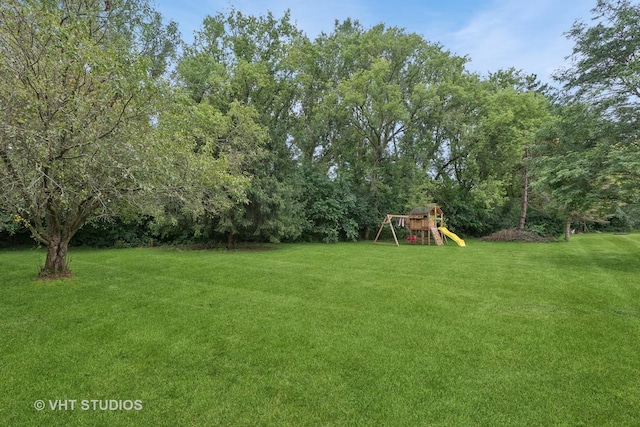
(314, 334)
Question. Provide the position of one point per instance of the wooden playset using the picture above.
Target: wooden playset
(425, 218)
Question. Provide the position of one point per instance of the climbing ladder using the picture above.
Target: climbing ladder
(436, 236)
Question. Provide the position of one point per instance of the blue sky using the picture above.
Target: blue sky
(494, 34)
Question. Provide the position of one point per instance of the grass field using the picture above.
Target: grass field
(314, 334)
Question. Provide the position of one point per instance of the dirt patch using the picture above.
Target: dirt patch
(51, 277)
(515, 235)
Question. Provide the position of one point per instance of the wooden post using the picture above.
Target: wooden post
(387, 220)
(384, 221)
(393, 231)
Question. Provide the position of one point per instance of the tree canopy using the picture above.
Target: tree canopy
(81, 86)
(256, 132)
(599, 118)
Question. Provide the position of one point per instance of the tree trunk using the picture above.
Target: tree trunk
(56, 262)
(525, 194)
(567, 229)
(365, 234)
(525, 202)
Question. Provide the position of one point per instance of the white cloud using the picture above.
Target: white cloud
(524, 35)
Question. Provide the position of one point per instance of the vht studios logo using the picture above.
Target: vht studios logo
(88, 405)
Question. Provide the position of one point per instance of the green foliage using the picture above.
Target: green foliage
(605, 73)
(510, 124)
(605, 63)
(384, 98)
(262, 134)
(544, 223)
(625, 219)
(209, 152)
(244, 61)
(116, 233)
(10, 224)
(13, 231)
(78, 90)
(331, 208)
(568, 164)
(274, 212)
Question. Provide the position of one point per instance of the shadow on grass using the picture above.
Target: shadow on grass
(622, 262)
(236, 247)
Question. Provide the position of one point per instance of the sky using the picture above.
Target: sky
(494, 34)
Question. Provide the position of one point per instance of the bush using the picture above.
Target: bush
(118, 233)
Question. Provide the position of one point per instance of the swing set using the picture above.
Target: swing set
(425, 218)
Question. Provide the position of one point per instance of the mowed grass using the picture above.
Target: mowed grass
(314, 334)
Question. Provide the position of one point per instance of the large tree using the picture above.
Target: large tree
(244, 60)
(370, 116)
(514, 115)
(569, 165)
(78, 91)
(605, 72)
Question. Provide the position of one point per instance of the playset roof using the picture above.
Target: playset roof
(430, 209)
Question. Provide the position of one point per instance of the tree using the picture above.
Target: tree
(481, 130)
(206, 156)
(510, 126)
(568, 164)
(605, 72)
(322, 135)
(378, 97)
(330, 207)
(245, 59)
(79, 92)
(385, 91)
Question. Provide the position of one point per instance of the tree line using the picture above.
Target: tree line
(112, 127)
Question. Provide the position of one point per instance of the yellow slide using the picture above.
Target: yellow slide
(452, 236)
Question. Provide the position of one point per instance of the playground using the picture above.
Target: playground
(427, 219)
